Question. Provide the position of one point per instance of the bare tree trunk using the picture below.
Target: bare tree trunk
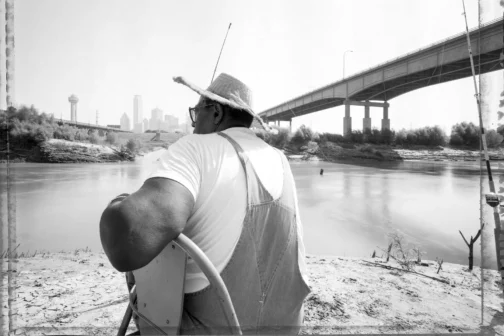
(470, 244)
(471, 259)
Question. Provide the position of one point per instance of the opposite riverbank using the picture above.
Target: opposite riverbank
(339, 152)
(62, 151)
(80, 293)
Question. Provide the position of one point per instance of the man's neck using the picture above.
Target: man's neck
(231, 125)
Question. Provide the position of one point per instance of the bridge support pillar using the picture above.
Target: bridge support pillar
(385, 123)
(347, 120)
(290, 125)
(366, 122)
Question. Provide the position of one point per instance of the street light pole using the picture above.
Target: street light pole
(344, 54)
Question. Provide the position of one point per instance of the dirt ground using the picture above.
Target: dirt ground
(79, 293)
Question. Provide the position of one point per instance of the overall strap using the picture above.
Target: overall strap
(256, 192)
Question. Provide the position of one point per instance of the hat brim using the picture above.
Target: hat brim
(222, 100)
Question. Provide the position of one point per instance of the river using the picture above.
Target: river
(348, 211)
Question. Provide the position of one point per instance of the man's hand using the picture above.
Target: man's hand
(135, 228)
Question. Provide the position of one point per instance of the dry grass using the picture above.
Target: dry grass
(14, 254)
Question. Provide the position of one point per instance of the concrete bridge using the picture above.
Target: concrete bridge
(90, 126)
(440, 62)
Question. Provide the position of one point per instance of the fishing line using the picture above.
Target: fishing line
(229, 27)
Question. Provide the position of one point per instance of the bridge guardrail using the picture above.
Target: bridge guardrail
(472, 30)
(78, 123)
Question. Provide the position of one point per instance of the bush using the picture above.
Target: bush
(81, 135)
(111, 138)
(279, 140)
(493, 138)
(425, 136)
(401, 137)
(456, 140)
(93, 138)
(468, 132)
(27, 134)
(387, 136)
(133, 145)
(500, 130)
(302, 135)
(356, 137)
(65, 132)
(324, 137)
(376, 136)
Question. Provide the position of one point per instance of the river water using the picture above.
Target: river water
(348, 211)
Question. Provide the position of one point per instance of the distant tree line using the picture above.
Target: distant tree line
(28, 127)
(464, 134)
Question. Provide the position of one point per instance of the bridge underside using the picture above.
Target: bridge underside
(457, 70)
(387, 90)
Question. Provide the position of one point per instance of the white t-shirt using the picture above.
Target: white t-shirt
(208, 166)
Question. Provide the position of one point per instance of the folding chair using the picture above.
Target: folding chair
(156, 291)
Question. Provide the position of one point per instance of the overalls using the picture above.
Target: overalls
(262, 276)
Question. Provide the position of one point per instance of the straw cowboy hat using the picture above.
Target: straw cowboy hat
(227, 90)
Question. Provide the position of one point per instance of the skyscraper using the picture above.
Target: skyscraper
(145, 124)
(137, 114)
(125, 122)
(156, 119)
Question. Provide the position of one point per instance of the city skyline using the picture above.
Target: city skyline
(158, 120)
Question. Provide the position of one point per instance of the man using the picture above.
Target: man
(235, 197)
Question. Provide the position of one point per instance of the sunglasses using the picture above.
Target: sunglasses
(192, 111)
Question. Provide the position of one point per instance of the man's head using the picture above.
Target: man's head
(209, 116)
(226, 103)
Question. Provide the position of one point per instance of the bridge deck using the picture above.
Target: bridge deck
(90, 126)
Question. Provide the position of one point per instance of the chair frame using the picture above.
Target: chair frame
(206, 266)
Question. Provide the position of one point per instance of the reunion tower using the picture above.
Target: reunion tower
(73, 107)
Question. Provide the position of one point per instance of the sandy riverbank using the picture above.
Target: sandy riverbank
(80, 293)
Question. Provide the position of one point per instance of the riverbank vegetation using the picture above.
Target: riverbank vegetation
(39, 137)
(430, 142)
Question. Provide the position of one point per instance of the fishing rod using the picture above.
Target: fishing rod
(492, 198)
(229, 27)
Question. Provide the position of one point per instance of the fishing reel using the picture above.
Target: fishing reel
(492, 199)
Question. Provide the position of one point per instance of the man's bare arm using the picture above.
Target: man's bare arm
(134, 229)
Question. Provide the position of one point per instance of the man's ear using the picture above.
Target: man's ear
(219, 114)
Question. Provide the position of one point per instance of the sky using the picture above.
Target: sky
(107, 51)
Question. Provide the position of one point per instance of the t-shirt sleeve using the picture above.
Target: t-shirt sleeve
(181, 162)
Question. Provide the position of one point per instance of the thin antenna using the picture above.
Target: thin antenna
(96, 117)
(220, 53)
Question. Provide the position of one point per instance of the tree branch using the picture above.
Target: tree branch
(479, 233)
(400, 269)
(464, 238)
